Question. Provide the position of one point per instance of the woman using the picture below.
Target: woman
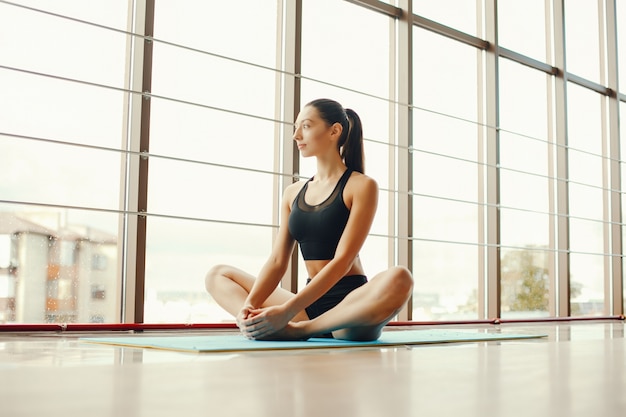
(330, 216)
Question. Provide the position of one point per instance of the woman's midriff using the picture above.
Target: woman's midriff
(314, 267)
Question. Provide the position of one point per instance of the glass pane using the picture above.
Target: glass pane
(524, 229)
(622, 110)
(451, 269)
(587, 267)
(445, 177)
(525, 156)
(375, 254)
(620, 18)
(178, 255)
(205, 135)
(585, 200)
(61, 154)
(5, 249)
(445, 170)
(351, 48)
(587, 236)
(585, 169)
(63, 266)
(35, 41)
(521, 27)
(525, 273)
(204, 191)
(212, 130)
(445, 82)
(59, 110)
(584, 119)
(523, 99)
(582, 39)
(54, 173)
(586, 287)
(524, 189)
(222, 28)
(584, 157)
(445, 220)
(457, 14)
(444, 157)
(227, 85)
(180, 252)
(446, 281)
(525, 283)
(439, 134)
(110, 13)
(377, 161)
(380, 226)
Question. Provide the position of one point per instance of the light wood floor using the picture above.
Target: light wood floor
(578, 370)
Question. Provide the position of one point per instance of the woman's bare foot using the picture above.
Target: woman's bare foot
(293, 331)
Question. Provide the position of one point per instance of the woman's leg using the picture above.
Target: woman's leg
(365, 311)
(230, 286)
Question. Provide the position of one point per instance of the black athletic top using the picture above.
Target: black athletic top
(318, 228)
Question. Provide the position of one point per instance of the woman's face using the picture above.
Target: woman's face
(312, 134)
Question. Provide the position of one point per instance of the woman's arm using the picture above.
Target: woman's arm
(275, 267)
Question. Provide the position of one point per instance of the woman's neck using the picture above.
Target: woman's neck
(330, 169)
(324, 174)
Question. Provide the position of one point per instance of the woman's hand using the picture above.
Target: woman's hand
(244, 314)
(261, 323)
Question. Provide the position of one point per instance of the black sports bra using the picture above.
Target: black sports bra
(318, 228)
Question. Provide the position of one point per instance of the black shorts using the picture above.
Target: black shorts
(334, 296)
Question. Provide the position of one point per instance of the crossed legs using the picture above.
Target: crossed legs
(360, 316)
(230, 286)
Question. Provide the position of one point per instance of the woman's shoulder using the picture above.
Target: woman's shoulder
(361, 182)
(296, 186)
(361, 188)
(292, 190)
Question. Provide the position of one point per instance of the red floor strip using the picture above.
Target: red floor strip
(137, 327)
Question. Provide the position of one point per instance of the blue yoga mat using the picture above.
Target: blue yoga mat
(236, 342)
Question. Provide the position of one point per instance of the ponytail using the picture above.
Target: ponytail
(352, 147)
(351, 141)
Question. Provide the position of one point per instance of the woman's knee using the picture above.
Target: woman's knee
(401, 278)
(215, 274)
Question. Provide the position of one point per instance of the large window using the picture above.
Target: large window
(446, 184)
(586, 200)
(62, 124)
(527, 256)
(212, 145)
(489, 127)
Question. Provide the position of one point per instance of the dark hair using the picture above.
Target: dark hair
(351, 140)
